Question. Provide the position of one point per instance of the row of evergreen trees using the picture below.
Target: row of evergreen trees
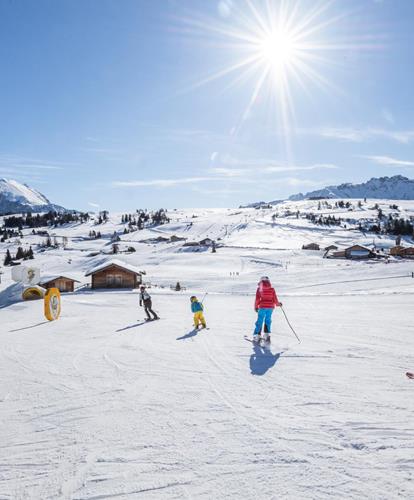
(52, 219)
(395, 226)
(329, 220)
(20, 254)
(5, 234)
(93, 235)
(143, 218)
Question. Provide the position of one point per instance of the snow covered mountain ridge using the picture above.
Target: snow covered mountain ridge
(16, 197)
(396, 187)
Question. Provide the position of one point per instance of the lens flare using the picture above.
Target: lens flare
(280, 48)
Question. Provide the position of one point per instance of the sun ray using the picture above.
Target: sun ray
(279, 46)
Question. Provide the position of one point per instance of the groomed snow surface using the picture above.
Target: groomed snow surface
(100, 404)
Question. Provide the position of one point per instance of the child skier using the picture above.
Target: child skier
(266, 301)
(197, 308)
(145, 300)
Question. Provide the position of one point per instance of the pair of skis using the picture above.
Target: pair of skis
(260, 342)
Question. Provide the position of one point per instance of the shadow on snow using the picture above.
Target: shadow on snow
(262, 360)
(191, 333)
(131, 326)
(28, 327)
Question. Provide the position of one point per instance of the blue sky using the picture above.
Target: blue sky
(112, 104)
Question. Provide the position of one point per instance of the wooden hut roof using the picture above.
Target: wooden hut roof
(48, 279)
(113, 262)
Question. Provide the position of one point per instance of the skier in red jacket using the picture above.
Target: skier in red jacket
(266, 301)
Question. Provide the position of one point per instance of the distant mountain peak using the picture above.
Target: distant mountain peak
(397, 187)
(17, 197)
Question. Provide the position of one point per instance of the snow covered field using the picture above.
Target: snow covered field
(101, 405)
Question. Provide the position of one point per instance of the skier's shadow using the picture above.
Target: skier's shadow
(188, 335)
(131, 326)
(262, 360)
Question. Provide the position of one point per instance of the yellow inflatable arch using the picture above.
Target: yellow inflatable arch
(33, 293)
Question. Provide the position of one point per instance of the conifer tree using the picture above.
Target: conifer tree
(8, 258)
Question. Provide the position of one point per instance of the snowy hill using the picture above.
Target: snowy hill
(397, 187)
(16, 197)
(101, 404)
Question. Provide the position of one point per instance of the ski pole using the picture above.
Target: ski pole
(202, 300)
(288, 322)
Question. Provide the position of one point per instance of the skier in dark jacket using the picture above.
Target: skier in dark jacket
(145, 300)
(266, 301)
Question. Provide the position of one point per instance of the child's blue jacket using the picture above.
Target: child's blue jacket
(196, 307)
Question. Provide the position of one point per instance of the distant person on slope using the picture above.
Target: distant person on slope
(197, 308)
(266, 301)
(145, 300)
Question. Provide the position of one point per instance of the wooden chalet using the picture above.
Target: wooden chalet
(359, 252)
(115, 274)
(175, 238)
(400, 251)
(311, 246)
(408, 252)
(191, 244)
(355, 252)
(63, 283)
(206, 242)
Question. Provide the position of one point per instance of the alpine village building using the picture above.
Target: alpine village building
(115, 274)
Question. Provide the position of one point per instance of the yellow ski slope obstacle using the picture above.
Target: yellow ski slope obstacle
(33, 293)
(52, 304)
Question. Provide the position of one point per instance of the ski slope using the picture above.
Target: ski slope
(100, 404)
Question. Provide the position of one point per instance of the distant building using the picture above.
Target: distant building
(175, 238)
(408, 252)
(207, 242)
(337, 255)
(191, 244)
(355, 252)
(396, 251)
(358, 252)
(311, 246)
(400, 251)
(63, 283)
(158, 239)
(115, 274)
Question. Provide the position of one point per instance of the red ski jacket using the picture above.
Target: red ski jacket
(266, 297)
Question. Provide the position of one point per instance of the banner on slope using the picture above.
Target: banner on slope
(52, 304)
(28, 275)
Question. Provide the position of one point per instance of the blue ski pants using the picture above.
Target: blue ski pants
(265, 315)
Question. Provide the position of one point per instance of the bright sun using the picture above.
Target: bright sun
(277, 49)
(278, 46)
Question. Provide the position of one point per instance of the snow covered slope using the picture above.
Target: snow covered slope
(16, 197)
(100, 404)
(397, 187)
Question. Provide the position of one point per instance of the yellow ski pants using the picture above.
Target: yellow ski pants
(199, 319)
